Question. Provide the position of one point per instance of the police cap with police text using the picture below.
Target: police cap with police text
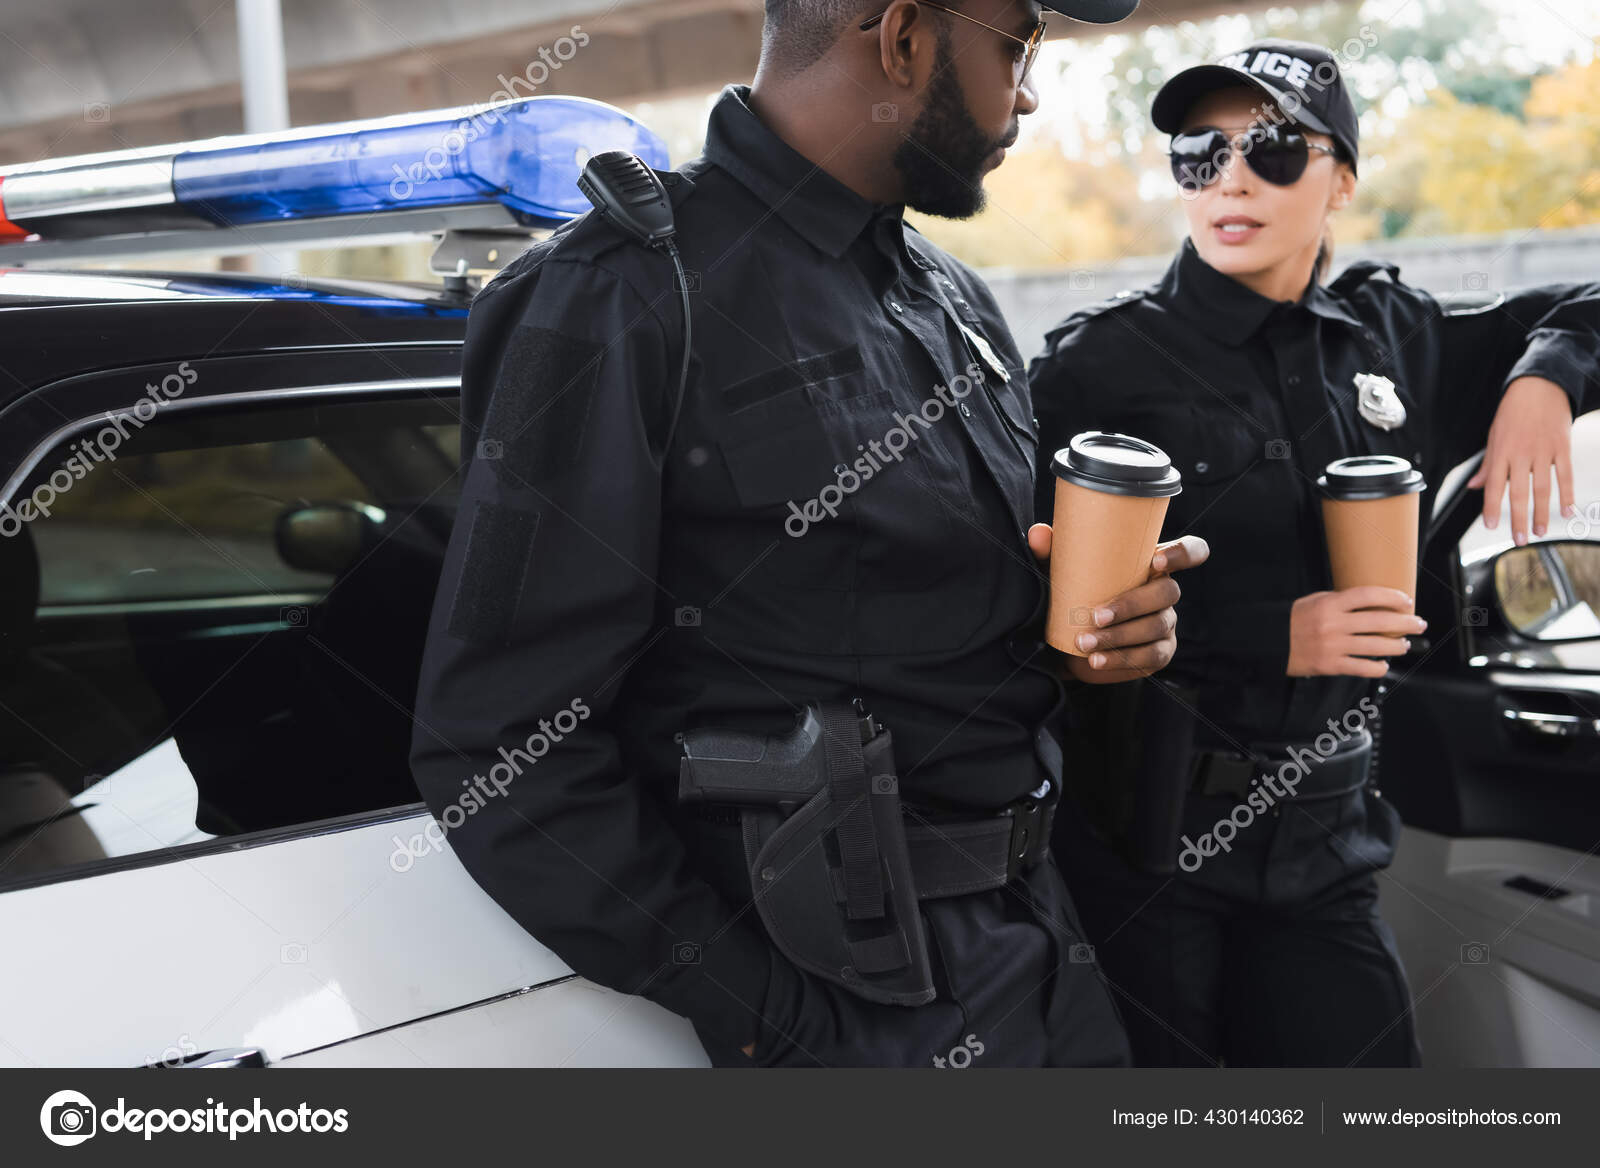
(1302, 79)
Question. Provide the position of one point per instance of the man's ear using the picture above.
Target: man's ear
(904, 37)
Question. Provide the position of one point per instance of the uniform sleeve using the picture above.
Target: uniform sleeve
(1551, 332)
(547, 596)
(1062, 410)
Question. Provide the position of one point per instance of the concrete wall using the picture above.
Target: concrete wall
(1035, 302)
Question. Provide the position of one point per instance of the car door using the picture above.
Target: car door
(209, 838)
(1491, 750)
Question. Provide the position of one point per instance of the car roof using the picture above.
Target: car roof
(36, 287)
(63, 324)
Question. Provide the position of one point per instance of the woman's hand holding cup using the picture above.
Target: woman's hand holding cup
(1348, 632)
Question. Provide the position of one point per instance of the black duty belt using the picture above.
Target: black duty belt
(1319, 775)
(950, 856)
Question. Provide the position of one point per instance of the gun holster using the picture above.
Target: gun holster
(825, 846)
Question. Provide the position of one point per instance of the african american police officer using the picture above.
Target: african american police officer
(843, 512)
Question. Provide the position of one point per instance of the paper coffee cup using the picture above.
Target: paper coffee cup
(1111, 499)
(1370, 511)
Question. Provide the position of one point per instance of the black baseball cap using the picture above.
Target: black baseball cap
(1093, 11)
(1302, 79)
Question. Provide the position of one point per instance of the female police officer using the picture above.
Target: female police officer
(1264, 945)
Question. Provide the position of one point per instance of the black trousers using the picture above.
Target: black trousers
(1016, 986)
(1269, 954)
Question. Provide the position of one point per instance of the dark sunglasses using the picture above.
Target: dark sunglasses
(1277, 154)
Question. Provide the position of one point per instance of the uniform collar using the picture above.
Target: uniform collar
(1231, 312)
(825, 212)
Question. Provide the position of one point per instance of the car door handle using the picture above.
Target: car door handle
(230, 1056)
(1551, 725)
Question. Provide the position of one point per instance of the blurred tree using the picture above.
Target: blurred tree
(1449, 167)
(1564, 111)
(1048, 210)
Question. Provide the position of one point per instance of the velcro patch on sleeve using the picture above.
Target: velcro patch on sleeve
(494, 569)
(540, 407)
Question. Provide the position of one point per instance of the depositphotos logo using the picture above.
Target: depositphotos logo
(70, 1117)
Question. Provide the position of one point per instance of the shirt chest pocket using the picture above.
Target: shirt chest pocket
(840, 473)
(819, 426)
(1225, 461)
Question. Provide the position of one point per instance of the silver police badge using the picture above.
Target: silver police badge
(1378, 403)
(986, 351)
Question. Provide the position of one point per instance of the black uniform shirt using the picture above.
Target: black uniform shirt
(1252, 398)
(703, 585)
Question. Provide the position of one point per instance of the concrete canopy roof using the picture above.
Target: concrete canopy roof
(81, 76)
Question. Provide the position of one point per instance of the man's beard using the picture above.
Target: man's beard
(940, 161)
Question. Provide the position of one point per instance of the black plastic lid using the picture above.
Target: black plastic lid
(1117, 464)
(1370, 476)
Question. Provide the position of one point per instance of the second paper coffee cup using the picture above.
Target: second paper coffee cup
(1111, 499)
(1370, 510)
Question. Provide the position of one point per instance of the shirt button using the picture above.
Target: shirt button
(1294, 379)
(965, 412)
(1201, 467)
(894, 306)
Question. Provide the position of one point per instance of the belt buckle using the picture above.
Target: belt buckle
(1217, 773)
(1031, 817)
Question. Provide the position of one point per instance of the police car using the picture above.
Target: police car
(225, 503)
(226, 500)
(1491, 751)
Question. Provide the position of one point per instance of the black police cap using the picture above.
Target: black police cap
(1093, 11)
(1302, 79)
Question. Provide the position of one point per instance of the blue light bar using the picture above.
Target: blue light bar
(524, 155)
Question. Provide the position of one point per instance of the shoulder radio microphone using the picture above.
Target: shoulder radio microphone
(628, 194)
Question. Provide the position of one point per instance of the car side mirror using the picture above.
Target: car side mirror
(1550, 591)
(327, 537)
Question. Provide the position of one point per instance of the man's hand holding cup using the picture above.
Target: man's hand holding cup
(1135, 632)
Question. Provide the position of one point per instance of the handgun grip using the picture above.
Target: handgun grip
(730, 766)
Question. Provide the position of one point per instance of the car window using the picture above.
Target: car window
(448, 438)
(218, 630)
(191, 523)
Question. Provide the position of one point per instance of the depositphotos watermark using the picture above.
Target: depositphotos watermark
(1271, 788)
(1582, 524)
(480, 790)
(87, 452)
(70, 1117)
(436, 161)
(878, 453)
(960, 1056)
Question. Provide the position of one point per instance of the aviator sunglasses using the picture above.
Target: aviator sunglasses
(1278, 155)
(1023, 55)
